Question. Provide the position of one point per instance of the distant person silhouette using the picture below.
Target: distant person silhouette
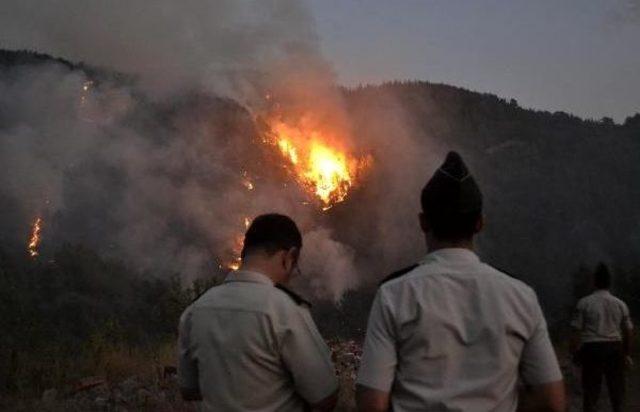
(452, 333)
(603, 330)
(250, 344)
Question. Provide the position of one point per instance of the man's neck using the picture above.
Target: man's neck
(436, 244)
(253, 266)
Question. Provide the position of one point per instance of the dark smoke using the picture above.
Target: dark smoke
(151, 170)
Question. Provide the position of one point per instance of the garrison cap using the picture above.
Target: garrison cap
(451, 190)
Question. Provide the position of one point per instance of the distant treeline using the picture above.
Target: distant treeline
(15, 58)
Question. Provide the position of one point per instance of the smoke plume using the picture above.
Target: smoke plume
(154, 169)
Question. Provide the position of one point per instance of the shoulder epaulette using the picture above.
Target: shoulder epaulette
(296, 298)
(510, 274)
(398, 273)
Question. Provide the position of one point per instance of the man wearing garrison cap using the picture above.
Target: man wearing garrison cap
(451, 333)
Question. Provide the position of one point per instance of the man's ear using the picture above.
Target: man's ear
(289, 258)
(479, 224)
(424, 225)
(293, 254)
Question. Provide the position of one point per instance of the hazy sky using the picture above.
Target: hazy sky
(580, 56)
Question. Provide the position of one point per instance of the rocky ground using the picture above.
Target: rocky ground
(158, 390)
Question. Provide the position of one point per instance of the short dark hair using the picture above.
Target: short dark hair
(270, 233)
(602, 277)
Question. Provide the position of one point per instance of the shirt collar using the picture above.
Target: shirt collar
(248, 276)
(451, 255)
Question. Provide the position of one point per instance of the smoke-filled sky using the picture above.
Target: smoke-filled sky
(579, 56)
(576, 56)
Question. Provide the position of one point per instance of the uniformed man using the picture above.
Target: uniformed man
(452, 333)
(250, 344)
(604, 330)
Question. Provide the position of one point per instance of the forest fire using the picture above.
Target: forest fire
(36, 238)
(321, 167)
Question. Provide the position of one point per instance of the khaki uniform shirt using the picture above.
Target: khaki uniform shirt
(600, 317)
(454, 334)
(250, 346)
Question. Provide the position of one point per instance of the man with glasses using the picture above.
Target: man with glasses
(250, 344)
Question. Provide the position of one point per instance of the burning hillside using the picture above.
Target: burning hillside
(162, 158)
(317, 160)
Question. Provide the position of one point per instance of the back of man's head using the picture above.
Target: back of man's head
(270, 233)
(602, 277)
(451, 201)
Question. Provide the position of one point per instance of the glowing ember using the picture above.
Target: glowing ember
(246, 182)
(34, 241)
(248, 185)
(85, 88)
(322, 168)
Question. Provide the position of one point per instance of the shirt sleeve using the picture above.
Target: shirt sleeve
(379, 358)
(626, 318)
(307, 357)
(577, 320)
(187, 364)
(539, 364)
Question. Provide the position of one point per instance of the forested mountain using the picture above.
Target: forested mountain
(560, 191)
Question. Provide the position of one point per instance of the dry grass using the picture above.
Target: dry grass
(29, 374)
(120, 363)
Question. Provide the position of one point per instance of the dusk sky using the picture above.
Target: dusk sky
(579, 56)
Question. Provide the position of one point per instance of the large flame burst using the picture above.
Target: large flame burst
(319, 162)
(34, 240)
(320, 166)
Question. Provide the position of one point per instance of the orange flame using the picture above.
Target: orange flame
(322, 168)
(34, 241)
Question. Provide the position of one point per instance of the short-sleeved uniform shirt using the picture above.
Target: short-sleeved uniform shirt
(454, 334)
(249, 346)
(600, 317)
